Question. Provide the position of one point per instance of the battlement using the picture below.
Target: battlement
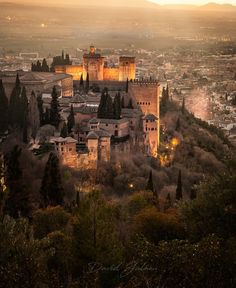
(145, 82)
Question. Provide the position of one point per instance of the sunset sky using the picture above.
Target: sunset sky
(120, 2)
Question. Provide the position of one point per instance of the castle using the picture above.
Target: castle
(100, 140)
(95, 66)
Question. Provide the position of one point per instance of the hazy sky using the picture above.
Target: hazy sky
(121, 2)
(197, 2)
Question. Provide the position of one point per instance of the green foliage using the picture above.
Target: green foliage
(213, 211)
(17, 203)
(180, 263)
(157, 226)
(23, 260)
(49, 220)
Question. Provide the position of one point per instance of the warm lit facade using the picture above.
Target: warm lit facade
(146, 96)
(94, 65)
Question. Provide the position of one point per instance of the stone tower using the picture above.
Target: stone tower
(127, 68)
(146, 96)
(93, 64)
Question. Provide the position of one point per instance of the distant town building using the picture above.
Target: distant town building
(39, 82)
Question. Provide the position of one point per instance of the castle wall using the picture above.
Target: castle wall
(94, 66)
(146, 96)
(111, 74)
(127, 68)
(75, 70)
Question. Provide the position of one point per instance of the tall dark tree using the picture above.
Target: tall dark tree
(40, 108)
(64, 131)
(87, 83)
(183, 106)
(109, 111)
(38, 66)
(179, 189)
(81, 82)
(150, 185)
(45, 67)
(23, 107)
(130, 104)
(34, 115)
(127, 86)
(102, 104)
(3, 109)
(122, 102)
(17, 203)
(47, 117)
(177, 124)
(71, 120)
(117, 106)
(15, 104)
(52, 189)
(55, 109)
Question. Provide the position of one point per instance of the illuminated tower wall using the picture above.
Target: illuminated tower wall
(146, 95)
(127, 68)
(93, 64)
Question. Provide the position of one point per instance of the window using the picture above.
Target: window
(116, 126)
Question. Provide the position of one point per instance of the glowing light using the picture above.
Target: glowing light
(43, 25)
(8, 18)
(131, 185)
(175, 142)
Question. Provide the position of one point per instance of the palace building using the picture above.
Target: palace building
(94, 65)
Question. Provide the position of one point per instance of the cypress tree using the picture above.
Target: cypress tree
(149, 185)
(71, 119)
(109, 111)
(177, 124)
(167, 93)
(47, 117)
(52, 189)
(3, 109)
(40, 109)
(102, 105)
(23, 108)
(122, 102)
(15, 104)
(38, 66)
(55, 109)
(130, 104)
(127, 86)
(45, 67)
(34, 115)
(64, 131)
(179, 190)
(87, 83)
(81, 82)
(24, 115)
(17, 203)
(117, 106)
(183, 106)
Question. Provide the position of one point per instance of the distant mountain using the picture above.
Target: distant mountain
(216, 6)
(106, 3)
